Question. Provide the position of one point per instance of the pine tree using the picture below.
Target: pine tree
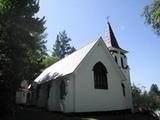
(154, 89)
(22, 46)
(62, 48)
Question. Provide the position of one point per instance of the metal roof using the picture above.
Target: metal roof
(66, 65)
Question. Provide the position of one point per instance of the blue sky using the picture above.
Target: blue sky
(85, 20)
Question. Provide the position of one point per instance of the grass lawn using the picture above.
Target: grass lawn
(37, 114)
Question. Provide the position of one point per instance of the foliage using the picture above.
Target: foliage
(136, 91)
(154, 100)
(137, 95)
(22, 46)
(154, 88)
(49, 60)
(62, 48)
(154, 96)
(148, 99)
(152, 15)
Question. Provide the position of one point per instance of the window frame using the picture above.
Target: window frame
(123, 89)
(100, 76)
(62, 90)
(122, 62)
(116, 60)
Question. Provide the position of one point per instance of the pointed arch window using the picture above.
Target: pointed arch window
(62, 90)
(116, 59)
(122, 62)
(123, 88)
(100, 76)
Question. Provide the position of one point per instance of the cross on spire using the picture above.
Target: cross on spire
(107, 18)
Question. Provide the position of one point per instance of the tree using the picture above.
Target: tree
(136, 93)
(154, 88)
(154, 102)
(154, 96)
(49, 60)
(152, 15)
(146, 99)
(62, 48)
(22, 46)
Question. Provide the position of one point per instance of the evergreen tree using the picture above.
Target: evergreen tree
(49, 60)
(154, 89)
(62, 48)
(22, 46)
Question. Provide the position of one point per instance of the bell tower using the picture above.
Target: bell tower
(116, 51)
(120, 58)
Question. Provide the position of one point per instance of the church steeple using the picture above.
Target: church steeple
(110, 38)
(119, 56)
(116, 51)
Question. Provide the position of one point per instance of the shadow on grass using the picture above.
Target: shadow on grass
(39, 114)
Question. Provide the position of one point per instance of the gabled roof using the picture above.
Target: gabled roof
(66, 65)
(70, 63)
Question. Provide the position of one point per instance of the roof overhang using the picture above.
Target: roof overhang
(117, 50)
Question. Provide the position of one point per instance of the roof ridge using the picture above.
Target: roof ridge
(77, 50)
(66, 65)
(87, 44)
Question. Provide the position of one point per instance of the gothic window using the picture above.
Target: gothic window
(123, 88)
(62, 90)
(116, 59)
(122, 62)
(48, 89)
(100, 76)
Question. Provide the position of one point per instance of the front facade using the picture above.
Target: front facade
(96, 78)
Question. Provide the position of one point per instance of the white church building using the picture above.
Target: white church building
(94, 78)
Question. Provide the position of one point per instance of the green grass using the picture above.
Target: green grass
(45, 115)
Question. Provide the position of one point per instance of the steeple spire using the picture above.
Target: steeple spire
(110, 38)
